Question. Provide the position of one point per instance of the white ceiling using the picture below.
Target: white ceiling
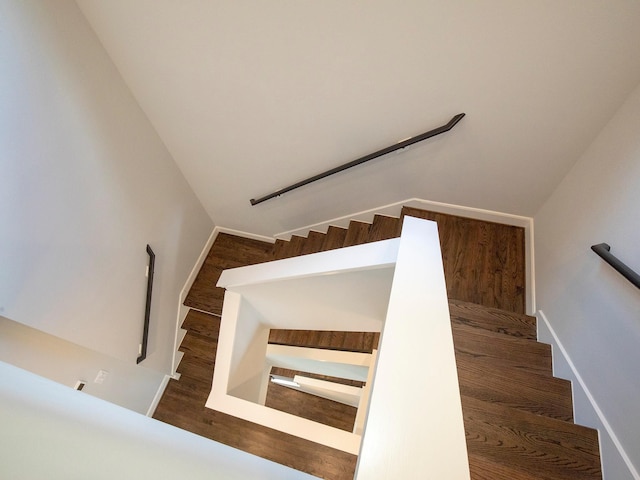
(250, 96)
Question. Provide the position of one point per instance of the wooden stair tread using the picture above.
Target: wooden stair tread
(311, 407)
(228, 251)
(279, 249)
(357, 233)
(551, 448)
(496, 320)
(202, 323)
(384, 228)
(196, 370)
(198, 345)
(313, 243)
(363, 342)
(195, 389)
(293, 247)
(528, 391)
(313, 458)
(486, 469)
(483, 261)
(334, 238)
(495, 349)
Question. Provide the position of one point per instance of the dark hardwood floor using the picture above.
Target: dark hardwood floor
(483, 261)
(228, 251)
(309, 406)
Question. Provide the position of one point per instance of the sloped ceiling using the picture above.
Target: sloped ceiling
(250, 96)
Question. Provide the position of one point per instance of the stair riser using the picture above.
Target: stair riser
(492, 350)
(537, 394)
(526, 442)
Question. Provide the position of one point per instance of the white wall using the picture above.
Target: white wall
(50, 431)
(594, 311)
(127, 384)
(86, 183)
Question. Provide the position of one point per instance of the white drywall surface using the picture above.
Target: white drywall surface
(54, 432)
(594, 311)
(86, 185)
(126, 384)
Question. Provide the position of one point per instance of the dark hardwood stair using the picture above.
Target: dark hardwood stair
(529, 445)
(334, 238)
(518, 417)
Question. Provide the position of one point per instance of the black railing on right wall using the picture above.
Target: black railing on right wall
(604, 251)
(398, 146)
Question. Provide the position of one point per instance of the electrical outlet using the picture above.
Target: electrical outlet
(102, 374)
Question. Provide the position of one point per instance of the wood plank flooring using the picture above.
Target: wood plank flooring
(483, 261)
(308, 406)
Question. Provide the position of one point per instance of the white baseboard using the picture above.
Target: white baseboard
(547, 334)
(394, 209)
(240, 233)
(158, 396)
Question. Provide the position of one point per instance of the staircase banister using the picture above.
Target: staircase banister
(147, 309)
(604, 251)
(398, 146)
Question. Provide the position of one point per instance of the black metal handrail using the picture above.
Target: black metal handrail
(604, 251)
(147, 309)
(366, 158)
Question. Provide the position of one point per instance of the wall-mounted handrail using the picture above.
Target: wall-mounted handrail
(147, 309)
(604, 251)
(366, 158)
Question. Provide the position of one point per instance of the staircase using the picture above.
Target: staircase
(518, 417)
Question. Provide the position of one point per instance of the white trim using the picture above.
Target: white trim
(394, 209)
(609, 430)
(203, 311)
(240, 233)
(158, 396)
(530, 268)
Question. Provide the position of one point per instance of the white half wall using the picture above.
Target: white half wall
(593, 310)
(127, 384)
(53, 432)
(86, 185)
(414, 427)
